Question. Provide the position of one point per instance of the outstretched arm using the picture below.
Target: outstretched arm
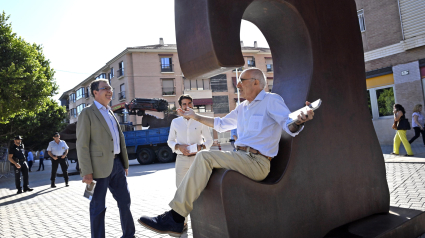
(190, 114)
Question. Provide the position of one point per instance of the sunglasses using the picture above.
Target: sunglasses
(242, 79)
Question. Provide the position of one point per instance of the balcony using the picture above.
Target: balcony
(196, 94)
(166, 68)
(169, 91)
(240, 69)
(121, 95)
(269, 68)
(120, 72)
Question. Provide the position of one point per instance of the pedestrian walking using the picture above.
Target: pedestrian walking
(102, 156)
(17, 158)
(58, 149)
(233, 137)
(418, 123)
(40, 160)
(401, 124)
(30, 159)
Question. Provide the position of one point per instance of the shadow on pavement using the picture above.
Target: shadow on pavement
(33, 194)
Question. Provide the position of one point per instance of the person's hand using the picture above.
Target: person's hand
(55, 158)
(188, 114)
(422, 128)
(18, 166)
(302, 118)
(88, 179)
(184, 150)
(63, 156)
(126, 172)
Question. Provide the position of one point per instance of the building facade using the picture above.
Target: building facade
(154, 71)
(393, 34)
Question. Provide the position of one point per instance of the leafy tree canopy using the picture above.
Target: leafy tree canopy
(37, 129)
(26, 79)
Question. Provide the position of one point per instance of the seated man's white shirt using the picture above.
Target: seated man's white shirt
(188, 132)
(259, 123)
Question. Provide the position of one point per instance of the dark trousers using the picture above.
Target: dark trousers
(41, 163)
(24, 171)
(64, 168)
(117, 184)
(418, 132)
(30, 165)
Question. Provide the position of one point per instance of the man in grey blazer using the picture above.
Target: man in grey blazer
(103, 157)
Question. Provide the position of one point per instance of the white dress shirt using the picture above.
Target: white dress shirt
(57, 149)
(112, 124)
(259, 123)
(188, 132)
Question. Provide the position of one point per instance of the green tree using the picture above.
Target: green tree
(385, 101)
(26, 79)
(37, 129)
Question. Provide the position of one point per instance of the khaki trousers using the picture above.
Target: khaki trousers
(256, 167)
(183, 164)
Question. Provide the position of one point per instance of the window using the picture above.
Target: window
(381, 101)
(166, 65)
(200, 108)
(74, 112)
(251, 62)
(120, 70)
(196, 84)
(219, 83)
(88, 92)
(221, 104)
(168, 87)
(270, 83)
(80, 108)
(111, 74)
(269, 64)
(101, 76)
(81, 93)
(72, 97)
(122, 92)
(360, 15)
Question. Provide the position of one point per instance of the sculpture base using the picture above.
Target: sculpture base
(399, 222)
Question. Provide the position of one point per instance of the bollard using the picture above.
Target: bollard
(219, 146)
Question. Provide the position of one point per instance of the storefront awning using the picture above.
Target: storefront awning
(202, 101)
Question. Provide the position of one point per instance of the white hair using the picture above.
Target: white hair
(256, 73)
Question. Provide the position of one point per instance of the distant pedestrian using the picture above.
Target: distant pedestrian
(58, 149)
(233, 137)
(17, 158)
(30, 159)
(418, 123)
(401, 124)
(41, 160)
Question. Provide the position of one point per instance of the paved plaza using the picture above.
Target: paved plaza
(64, 212)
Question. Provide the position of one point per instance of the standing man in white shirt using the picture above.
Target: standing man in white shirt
(259, 121)
(58, 149)
(183, 133)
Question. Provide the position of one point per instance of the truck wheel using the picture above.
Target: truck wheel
(146, 156)
(165, 155)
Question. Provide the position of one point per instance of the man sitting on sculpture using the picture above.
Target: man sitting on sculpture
(259, 121)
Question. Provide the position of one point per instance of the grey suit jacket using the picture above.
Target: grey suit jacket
(95, 146)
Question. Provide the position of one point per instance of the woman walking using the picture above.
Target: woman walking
(401, 125)
(418, 123)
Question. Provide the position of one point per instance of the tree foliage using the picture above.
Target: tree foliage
(26, 79)
(386, 101)
(37, 129)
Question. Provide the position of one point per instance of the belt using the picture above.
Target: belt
(253, 151)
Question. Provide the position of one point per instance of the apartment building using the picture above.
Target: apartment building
(153, 71)
(393, 34)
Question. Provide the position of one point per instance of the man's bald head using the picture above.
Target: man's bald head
(256, 74)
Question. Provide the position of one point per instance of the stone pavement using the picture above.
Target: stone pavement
(64, 212)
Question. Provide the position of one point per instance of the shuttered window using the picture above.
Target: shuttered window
(413, 17)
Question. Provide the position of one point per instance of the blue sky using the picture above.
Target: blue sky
(79, 37)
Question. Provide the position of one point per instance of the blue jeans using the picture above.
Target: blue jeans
(117, 184)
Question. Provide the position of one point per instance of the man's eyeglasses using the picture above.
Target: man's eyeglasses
(242, 79)
(107, 89)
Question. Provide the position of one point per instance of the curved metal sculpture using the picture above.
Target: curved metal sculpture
(333, 172)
